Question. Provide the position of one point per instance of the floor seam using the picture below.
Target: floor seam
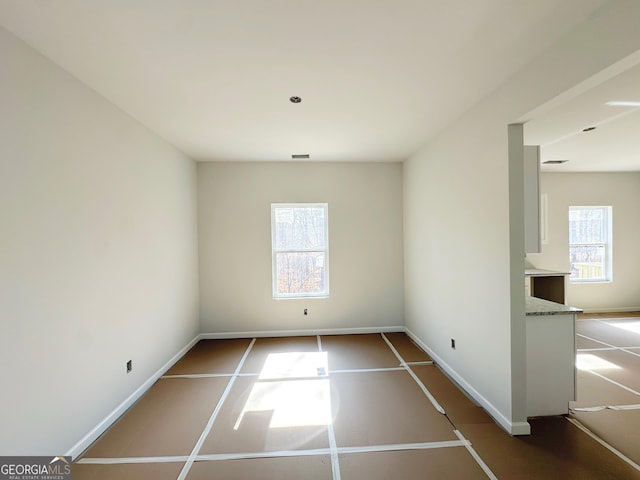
(346, 370)
(610, 345)
(604, 443)
(196, 449)
(597, 408)
(621, 385)
(426, 391)
(333, 447)
(333, 451)
(281, 453)
(439, 408)
(485, 468)
(589, 414)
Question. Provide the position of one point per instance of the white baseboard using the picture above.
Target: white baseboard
(521, 428)
(110, 419)
(513, 428)
(300, 333)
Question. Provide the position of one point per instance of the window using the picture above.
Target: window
(590, 244)
(300, 250)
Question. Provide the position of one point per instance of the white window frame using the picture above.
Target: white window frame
(274, 251)
(607, 244)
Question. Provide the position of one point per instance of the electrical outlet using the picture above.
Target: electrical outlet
(306, 311)
(453, 343)
(129, 366)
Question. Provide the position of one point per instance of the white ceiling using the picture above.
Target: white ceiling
(614, 145)
(377, 78)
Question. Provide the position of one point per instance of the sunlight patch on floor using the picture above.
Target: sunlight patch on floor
(294, 365)
(629, 326)
(295, 388)
(587, 361)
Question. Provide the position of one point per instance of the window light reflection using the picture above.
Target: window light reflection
(295, 388)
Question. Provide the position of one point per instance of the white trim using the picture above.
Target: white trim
(513, 428)
(86, 441)
(519, 428)
(299, 333)
(544, 219)
(607, 244)
(274, 251)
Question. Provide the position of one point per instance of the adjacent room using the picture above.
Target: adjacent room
(272, 239)
(588, 257)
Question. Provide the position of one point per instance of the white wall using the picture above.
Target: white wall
(365, 245)
(622, 192)
(464, 252)
(98, 254)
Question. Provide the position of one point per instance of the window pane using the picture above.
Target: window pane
(587, 262)
(299, 228)
(587, 225)
(300, 250)
(300, 272)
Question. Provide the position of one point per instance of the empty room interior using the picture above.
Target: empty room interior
(340, 239)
